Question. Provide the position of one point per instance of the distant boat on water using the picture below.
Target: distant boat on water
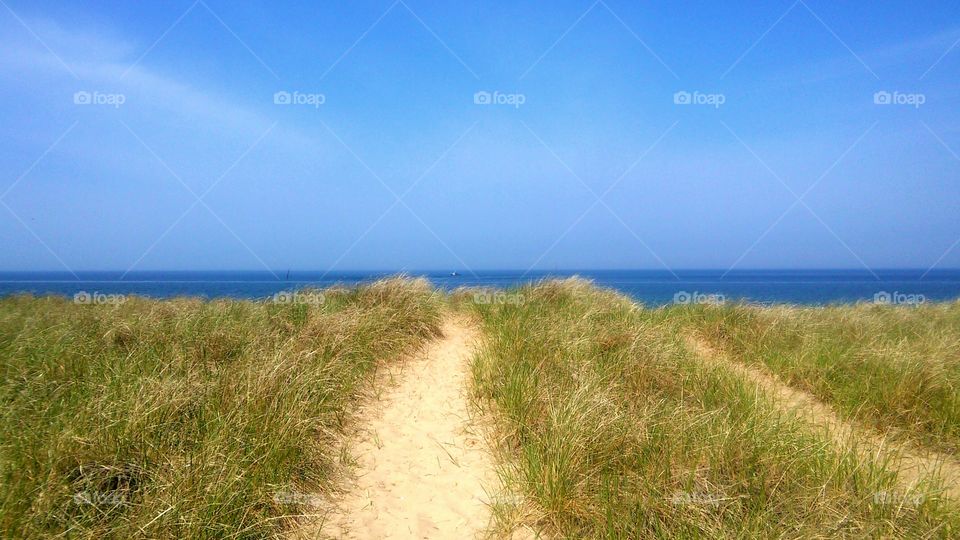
(453, 274)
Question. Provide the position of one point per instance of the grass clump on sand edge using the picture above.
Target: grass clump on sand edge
(611, 428)
(186, 418)
(888, 366)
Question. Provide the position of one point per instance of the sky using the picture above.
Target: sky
(407, 134)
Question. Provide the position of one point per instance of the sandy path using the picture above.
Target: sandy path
(914, 463)
(421, 465)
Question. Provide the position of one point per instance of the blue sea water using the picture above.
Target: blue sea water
(647, 286)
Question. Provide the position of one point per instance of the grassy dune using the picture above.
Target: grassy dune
(183, 418)
(221, 419)
(611, 427)
(887, 366)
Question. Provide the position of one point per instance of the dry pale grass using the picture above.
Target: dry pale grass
(612, 428)
(185, 418)
(895, 368)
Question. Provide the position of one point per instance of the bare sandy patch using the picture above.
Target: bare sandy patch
(913, 462)
(422, 466)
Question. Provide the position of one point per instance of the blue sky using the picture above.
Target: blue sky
(784, 160)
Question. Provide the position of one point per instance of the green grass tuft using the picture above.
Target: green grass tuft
(611, 428)
(888, 366)
(183, 418)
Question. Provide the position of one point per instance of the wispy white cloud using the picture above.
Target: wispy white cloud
(102, 61)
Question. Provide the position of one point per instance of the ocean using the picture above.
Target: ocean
(651, 287)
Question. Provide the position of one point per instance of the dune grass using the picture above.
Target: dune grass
(185, 418)
(220, 419)
(611, 428)
(887, 366)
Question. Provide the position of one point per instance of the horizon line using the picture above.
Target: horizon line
(461, 271)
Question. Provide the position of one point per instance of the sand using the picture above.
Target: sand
(913, 462)
(422, 466)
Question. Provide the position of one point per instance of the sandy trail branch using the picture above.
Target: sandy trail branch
(422, 467)
(913, 462)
